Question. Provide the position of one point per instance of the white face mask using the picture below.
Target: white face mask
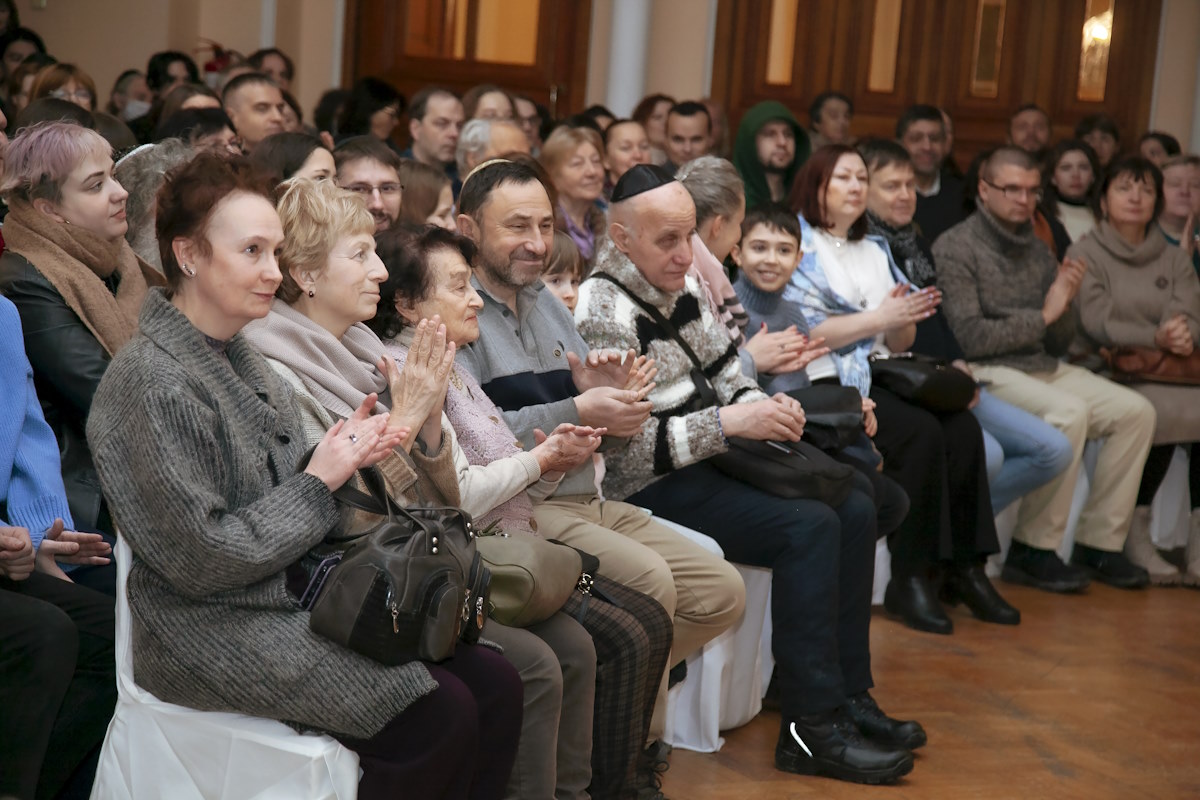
(134, 109)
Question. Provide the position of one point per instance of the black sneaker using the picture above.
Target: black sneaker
(879, 727)
(1042, 569)
(830, 744)
(1111, 568)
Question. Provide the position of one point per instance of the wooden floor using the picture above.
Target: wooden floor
(1092, 696)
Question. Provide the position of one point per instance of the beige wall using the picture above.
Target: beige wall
(677, 50)
(1176, 90)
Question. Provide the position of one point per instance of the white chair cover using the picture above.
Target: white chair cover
(725, 680)
(155, 749)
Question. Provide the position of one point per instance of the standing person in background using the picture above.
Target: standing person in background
(488, 101)
(651, 111)
(769, 150)
(530, 118)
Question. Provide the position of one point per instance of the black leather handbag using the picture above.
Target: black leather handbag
(833, 415)
(411, 587)
(931, 383)
(793, 470)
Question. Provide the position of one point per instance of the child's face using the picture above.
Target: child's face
(768, 257)
(564, 286)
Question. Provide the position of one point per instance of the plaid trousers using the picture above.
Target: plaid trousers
(632, 634)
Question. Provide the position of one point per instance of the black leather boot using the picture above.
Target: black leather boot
(880, 728)
(913, 600)
(968, 583)
(830, 744)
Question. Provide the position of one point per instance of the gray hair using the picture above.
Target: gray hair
(473, 141)
(141, 173)
(715, 187)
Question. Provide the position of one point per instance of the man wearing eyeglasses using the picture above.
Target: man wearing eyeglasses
(371, 169)
(1010, 305)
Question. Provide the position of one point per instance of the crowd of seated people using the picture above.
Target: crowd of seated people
(213, 314)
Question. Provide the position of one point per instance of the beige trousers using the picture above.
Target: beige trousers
(1083, 406)
(702, 592)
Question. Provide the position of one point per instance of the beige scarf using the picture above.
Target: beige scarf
(76, 262)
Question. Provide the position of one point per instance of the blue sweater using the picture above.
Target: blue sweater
(31, 485)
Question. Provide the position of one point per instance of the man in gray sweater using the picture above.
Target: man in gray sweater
(1009, 304)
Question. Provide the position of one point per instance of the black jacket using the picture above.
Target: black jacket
(68, 363)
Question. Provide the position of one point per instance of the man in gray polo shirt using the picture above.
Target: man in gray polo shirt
(533, 364)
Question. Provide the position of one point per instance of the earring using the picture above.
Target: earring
(311, 293)
(191, 273)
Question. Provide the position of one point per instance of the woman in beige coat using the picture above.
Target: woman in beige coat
(1140, 291)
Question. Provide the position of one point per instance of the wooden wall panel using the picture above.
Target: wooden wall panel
(1039, 63)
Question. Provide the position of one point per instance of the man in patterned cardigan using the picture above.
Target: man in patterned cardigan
(822, 558)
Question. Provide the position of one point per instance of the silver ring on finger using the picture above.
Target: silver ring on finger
(354, 438)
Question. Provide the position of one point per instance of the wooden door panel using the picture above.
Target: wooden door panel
(1039, 62)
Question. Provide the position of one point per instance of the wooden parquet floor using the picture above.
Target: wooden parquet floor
(1091, 696)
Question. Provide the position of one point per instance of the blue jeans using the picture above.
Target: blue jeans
(1023, 451)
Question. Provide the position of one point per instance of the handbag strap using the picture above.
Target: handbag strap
(667, 326)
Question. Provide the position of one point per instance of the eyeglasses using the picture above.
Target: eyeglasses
(78, 94)
(1013, 192)
(366, 189)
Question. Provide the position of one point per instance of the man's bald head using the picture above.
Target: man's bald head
(654, 230)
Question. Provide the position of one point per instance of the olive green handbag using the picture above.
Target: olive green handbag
(531, 577)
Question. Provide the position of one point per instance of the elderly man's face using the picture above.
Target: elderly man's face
(514, 233)
(505, 138)
(654, 230)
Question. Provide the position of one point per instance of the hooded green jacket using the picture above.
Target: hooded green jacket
(745, 150)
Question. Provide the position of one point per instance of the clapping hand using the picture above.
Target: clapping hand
(641, 376)
(903, 307)
(609, 368)
(362, 440)
(783, 351)
(1175, 336)
(70, 547)
(17, 558)
(565, 448)
(419, 390)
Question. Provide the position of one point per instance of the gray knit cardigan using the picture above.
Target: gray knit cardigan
(673, 437)
(197, 455)
(993, 284)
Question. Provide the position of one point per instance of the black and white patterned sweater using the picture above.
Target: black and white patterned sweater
(673, 437)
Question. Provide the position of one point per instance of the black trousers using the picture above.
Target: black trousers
(823, 564)
(1157, 464)
(889, 499)
(940, 462)
(632, 634)
(57, 684)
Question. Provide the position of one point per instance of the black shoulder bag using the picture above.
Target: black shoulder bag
(794, 470)
(408, 588)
